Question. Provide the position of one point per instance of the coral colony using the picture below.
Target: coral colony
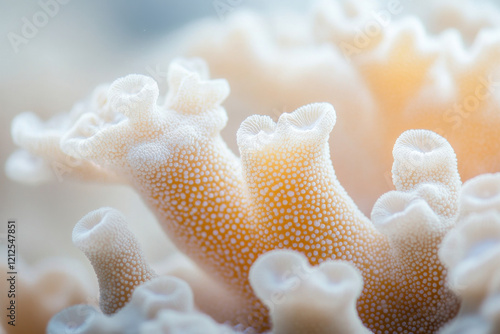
(282, 241)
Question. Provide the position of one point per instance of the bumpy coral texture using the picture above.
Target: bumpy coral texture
(224, 213)
(386, 66)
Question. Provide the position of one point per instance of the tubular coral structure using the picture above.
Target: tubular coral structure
(472, 252)
(224, 213)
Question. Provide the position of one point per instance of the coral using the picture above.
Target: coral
(276, 242)
(210, 295)
(41, 139)
(115, 255)
(43, 290)
(224, 213)
(305, 299)
(472, 252)
(384, 68)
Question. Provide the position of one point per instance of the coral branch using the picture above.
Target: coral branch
(293, 185)
(411, 226)
(78, 319)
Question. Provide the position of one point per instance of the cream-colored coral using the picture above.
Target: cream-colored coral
(425, 161)
(173, 322)
(115, 255)
(177, 161)
(41, 157)
(480, 194)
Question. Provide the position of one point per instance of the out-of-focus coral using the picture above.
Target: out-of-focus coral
(115, 255)
(43, 290)
(305, 299)
(472, 252)
(386, 74)
(162, 305)
(224, 213)
(382, 69)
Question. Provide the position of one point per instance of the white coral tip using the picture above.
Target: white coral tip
(77, 319)
(134, 96)
(29, 132)
(163, 293)
(179, 68)
(22, 124)
(77, 142)
(98, 228)
(270, 274)
(305, 299)
(256, 131)
(315, 120)
(173, 322)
